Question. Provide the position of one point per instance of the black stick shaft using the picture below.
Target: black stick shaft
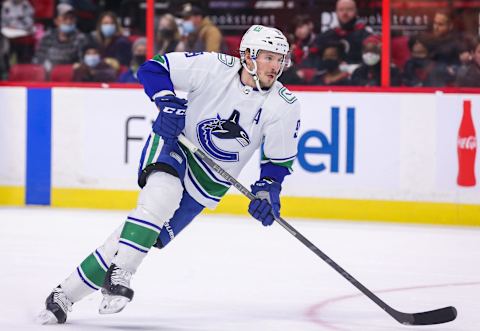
(232, 180)
(426, 318)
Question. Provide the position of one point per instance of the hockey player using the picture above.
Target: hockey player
(234, 107)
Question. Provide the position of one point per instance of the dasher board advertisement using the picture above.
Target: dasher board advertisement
(458, 163)
(13, 121)
(98, 136)
(348, 143)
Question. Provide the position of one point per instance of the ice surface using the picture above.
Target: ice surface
(225, 273)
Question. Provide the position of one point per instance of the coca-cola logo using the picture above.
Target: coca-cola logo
(467, 142)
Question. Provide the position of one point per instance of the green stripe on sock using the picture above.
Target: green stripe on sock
(93, 270)
(155, 142)
(139, 234)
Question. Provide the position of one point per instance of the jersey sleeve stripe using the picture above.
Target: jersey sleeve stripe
(168, 62)
(290, 158)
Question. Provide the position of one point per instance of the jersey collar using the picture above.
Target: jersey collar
(246, 88)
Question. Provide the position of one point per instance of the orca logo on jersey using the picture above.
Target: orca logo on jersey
(222, 129)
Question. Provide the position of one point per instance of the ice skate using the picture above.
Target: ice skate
(116, 290)
(56, 307)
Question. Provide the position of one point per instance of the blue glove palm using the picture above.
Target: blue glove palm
(266, 207)
(170, 121)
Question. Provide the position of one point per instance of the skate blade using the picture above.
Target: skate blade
(46, 317)
(112, 304)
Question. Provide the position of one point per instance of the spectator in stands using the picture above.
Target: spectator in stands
(93, 68)
(329, 71)
(17, 26)
(445, 41)
(304, 50)
(465, 56)
(400, 51)
(417, 69)
(64, 44)
(132, 15)
(369, 73)
(469, 76)
(351, 32)
(290, 76)
(201, 35)
(168, 37)
(18, 15)
(445, 46)
(114, 47)
(466, 50)
(87, 12)
(4, 57)
(139, 51)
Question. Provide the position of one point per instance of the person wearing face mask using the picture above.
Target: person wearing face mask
(200, 34)
(139, 50)
(329, 72)
(419, 66)
(114, 47)
(351, 31)
(369, 73)
(64, 44)
(469, 76)
(167, 38)
(93, 68)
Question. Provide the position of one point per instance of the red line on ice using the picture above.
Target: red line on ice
(312, 312)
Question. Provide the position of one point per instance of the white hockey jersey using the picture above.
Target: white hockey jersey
(229, 120)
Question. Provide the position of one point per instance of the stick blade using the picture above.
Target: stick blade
(438, 316)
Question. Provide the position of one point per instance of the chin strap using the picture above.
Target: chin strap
(254, 75)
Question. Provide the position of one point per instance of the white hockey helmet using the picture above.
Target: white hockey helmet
(259, 37)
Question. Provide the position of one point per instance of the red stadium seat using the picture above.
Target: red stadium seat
(44, 9)
(27, 73)
(62, 73)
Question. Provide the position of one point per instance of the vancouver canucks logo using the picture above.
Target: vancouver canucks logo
(222, 129)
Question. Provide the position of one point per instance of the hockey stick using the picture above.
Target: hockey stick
(438, 316)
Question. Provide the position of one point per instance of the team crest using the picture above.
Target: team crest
(222, 129)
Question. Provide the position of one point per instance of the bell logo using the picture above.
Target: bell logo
(330, 147)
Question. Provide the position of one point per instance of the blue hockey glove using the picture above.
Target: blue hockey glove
(266, 207)
(170, 121)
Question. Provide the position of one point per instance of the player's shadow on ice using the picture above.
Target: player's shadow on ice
(131, 324)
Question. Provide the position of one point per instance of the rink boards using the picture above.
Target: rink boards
(365, 156)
